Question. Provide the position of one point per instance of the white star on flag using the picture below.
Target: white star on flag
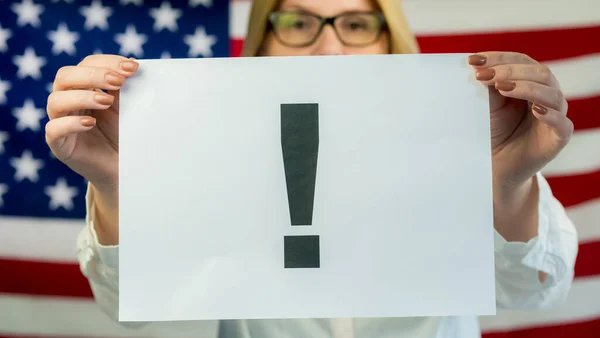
(96, 15)
(4, 87)
(29, 64)
(63, 40)
(5, 34)
(28, 116)
(165, 17)
(200, 43)
(205, 3)
(131, 42)
(28, 13)
(3, 190)
(3, 138)
(135, 2)
(61, 195)
(26, 167)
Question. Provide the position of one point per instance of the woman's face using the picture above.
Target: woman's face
(297, 29)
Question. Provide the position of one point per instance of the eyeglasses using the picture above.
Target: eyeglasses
(301, 29)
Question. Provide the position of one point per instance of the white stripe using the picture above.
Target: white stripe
(30, 238)
(586, 218)
(433, 18)
(465, 16)
(22, 315)
(580, 305)
(39, 239)
(581, 155)
(238, 18)
(578, 77)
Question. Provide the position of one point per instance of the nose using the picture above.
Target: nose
(328, 43)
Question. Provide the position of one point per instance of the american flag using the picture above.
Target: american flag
(42, 291)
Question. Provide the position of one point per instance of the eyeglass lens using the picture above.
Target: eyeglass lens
(300, 28)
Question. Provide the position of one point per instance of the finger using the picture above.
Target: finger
(63, 102)
(534, 92)
(561, 124)
(491, 59)
(57, 131)
(517, 72)
(81, 77)
(117, 63)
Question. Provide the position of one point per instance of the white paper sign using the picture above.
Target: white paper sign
(402, 197)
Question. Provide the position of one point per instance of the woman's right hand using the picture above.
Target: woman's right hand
(83, 131)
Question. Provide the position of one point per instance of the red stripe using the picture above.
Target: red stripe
(585, 113)
(585, 329)
(587, 261)
(571, 190)
(235, 47)
(541, 45)
(43, 278)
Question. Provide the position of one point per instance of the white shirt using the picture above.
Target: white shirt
(553, 251)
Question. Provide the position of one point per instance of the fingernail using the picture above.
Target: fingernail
(485, 74)
(88, 121)
(129, 66)
(540, 109)
(104, 99)
(506, 86)
(114, 80)
(477, 60)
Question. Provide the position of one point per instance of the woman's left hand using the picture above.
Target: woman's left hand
(529, 124)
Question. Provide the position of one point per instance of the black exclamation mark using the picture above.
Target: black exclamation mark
(300, 145)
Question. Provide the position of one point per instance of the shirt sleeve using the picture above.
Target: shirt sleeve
(100, 265)
(552, 251)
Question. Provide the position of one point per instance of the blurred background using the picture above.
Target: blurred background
(42, 292)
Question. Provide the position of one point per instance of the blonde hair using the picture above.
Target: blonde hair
(402, 40)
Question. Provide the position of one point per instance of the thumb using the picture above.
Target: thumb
(558, 126)
(61, 132)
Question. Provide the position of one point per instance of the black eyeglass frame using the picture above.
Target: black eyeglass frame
(327, 20)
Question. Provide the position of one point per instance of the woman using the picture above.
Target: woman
(535, 242)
